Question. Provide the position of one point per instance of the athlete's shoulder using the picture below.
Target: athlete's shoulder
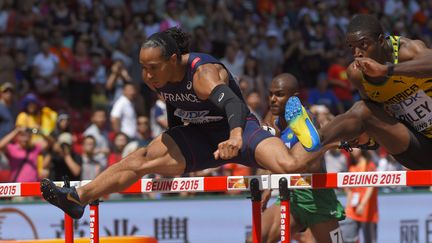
(410, 48)
(202, 56)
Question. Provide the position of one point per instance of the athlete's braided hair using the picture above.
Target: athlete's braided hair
(366, 23)
(170, 41)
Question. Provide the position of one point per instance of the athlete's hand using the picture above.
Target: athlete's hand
(370, 67)
(265, 197)
(229, 149)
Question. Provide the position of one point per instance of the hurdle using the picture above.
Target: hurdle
(254, 184)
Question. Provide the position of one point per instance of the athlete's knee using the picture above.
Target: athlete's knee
(292, 165)
(361, 110)
(136, 159)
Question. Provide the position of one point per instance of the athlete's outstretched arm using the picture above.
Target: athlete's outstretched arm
(210, 83)
(415, 61)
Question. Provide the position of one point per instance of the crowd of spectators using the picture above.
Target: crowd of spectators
(72, 100)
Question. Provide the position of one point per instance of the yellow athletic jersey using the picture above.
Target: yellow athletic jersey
(407, 98)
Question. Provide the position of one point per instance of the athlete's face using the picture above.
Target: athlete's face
(280, 92)
(362, 44)
(156, 70)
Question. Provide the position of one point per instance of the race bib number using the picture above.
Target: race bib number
(336, 235)
(415, 110)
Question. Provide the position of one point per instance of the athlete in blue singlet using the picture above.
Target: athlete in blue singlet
(209, 125)
(316, 209)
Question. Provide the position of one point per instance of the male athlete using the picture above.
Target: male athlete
(394, 77)
(201, 92)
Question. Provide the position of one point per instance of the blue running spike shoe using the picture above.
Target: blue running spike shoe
(65, 198)
(302, 126)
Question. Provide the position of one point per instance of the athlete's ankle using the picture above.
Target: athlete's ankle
(81, 196)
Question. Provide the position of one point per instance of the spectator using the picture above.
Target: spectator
(91, 167)
(64, 54)
(252, 77)
(123, 115)
(116, 80)
(98, 130)
(7, 64)
(80, 85)
(335, 161)
(45, 71)
(22, 74)
(362, 203)
(293, 49)
(7, 111)
(4, 15)
(116, 154)
(99, 78)
(315, 52)
(201, 41)
(323, 96)
(21, 22)
(100, 73)
(7, 72)
(190, 18)
(234, 59)
(63, 160)
(22, 154)
(123, 53)
(34, 115)
(386, 162)
(220, 27)
(158, 117)
(110, 34)
(270, 57)
(63, 19)
(256, 104)
(63, 125)
(151, 26)
(144, 136)
(172, 17)
(82, 19)
(338, 78)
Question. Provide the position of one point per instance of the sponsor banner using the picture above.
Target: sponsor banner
(186, 184)
(295, 181)
(381, 178)
(210, 220)
(10, 189)
(242, 183)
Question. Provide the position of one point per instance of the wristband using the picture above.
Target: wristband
(390, 69)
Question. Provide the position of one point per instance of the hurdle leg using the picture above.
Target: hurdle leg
(284, 194)
(256, 210)
(68, 221)
(68, 227)
(94, 222)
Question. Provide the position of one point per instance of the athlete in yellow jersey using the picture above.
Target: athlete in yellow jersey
(394, 77)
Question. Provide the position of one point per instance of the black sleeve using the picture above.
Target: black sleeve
(235, 109)
(172, 119)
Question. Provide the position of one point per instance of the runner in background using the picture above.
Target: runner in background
(319, 210)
